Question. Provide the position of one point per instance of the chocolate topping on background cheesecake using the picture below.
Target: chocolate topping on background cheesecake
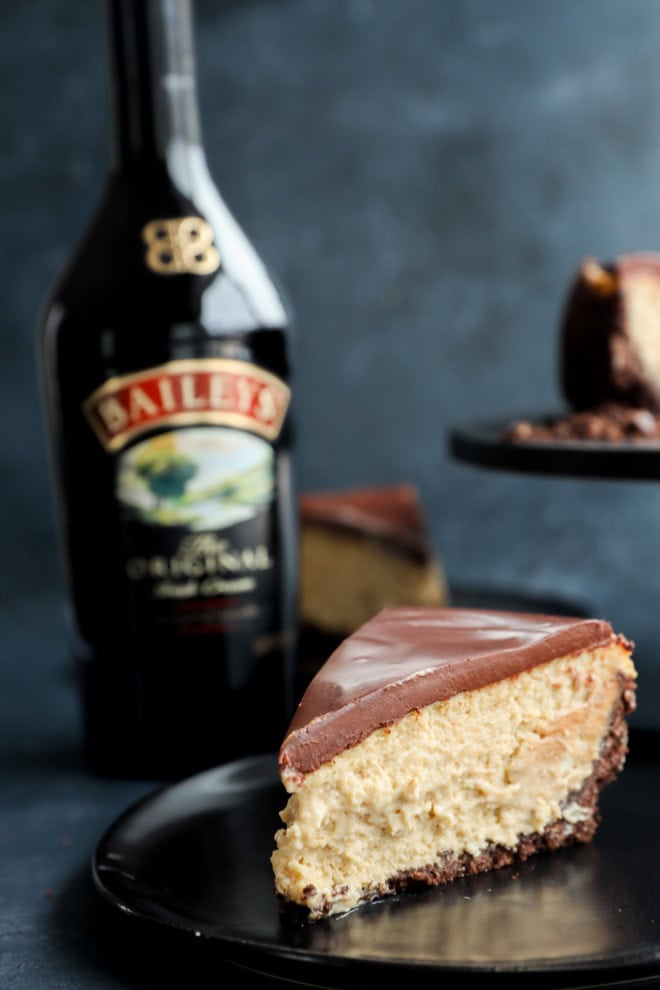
(609, 355)
(390, 513)
(610, 334)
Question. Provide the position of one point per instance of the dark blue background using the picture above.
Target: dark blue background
(424, 176)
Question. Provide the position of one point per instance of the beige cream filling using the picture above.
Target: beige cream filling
(642, 307)
(481, 768)
(345, 581)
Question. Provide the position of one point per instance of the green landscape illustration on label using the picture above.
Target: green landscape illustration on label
(199, 478)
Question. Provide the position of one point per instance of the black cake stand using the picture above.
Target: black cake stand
(482, 444)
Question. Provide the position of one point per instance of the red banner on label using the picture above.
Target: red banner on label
(220, 391)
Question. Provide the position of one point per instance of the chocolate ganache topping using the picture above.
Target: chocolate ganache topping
(390, 513)
(409, 657)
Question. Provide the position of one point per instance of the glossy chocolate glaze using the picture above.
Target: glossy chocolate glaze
(408, 657)
(389, 512)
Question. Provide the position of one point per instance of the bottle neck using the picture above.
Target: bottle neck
(153, 83)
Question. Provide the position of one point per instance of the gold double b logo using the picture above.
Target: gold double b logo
(182, 244)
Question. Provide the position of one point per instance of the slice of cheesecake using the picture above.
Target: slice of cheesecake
(364, 549)
(441, 742)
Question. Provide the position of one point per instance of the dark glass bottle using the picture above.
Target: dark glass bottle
(164, 360)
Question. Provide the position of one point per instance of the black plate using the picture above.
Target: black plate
(481, 444)
(195, 856)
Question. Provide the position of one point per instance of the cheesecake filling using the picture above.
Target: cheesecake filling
(456, 778)
(338, 587)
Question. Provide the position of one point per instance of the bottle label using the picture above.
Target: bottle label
(197, 495)
(178, 245)
(196, 505)
(217, 391)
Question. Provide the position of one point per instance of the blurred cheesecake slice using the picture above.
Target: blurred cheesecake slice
(364, 549)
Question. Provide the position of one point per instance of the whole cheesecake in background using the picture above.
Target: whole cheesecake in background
(609, 355)
(610, 334)
(440, 742)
